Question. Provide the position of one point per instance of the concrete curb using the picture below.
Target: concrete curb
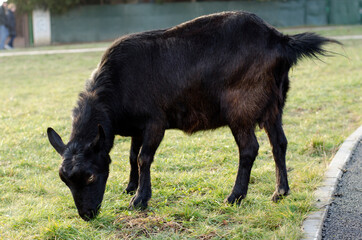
(313, 224)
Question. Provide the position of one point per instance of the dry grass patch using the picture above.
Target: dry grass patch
(145, 225)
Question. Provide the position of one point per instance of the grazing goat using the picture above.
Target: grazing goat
(226, 69)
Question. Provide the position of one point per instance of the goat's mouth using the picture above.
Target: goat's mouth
(89, 214)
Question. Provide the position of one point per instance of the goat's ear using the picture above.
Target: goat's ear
(56, 141)
(99, 140)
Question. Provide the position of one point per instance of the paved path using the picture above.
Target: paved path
(344, 217)
(353, 37)
(332, 203)
(9, 53)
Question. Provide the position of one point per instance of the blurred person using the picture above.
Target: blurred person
(4, 32)
(11, 25)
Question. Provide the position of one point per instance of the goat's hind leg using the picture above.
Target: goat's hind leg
(248, 150)
(279, 144)
(136, 145)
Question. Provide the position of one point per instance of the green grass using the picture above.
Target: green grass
(191, 175)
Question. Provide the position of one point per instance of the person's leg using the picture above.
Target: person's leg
(11, 41)
(4, 33)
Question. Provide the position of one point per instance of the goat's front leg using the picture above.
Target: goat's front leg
(136, 145)
(152, 138)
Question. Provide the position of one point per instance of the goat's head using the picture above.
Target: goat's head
(84, 170)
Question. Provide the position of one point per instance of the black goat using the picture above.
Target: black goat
(222, 69)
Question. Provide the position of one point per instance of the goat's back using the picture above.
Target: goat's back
(201, 74)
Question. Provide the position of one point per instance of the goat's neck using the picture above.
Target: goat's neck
(85, 128)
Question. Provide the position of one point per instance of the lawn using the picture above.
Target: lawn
(191, 175)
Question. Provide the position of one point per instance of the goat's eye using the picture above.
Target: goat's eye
(91, 179)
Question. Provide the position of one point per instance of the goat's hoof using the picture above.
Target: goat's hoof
(138, 202)
(130, 189)
(279, 195)
(234, 199)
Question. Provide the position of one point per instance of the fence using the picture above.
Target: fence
(106, 22)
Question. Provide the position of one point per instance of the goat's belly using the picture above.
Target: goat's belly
(195, 117)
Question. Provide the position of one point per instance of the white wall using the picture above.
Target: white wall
(41, 27)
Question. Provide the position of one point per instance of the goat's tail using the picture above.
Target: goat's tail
(305, 45)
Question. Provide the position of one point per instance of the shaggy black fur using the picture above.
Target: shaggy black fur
(229, 68)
